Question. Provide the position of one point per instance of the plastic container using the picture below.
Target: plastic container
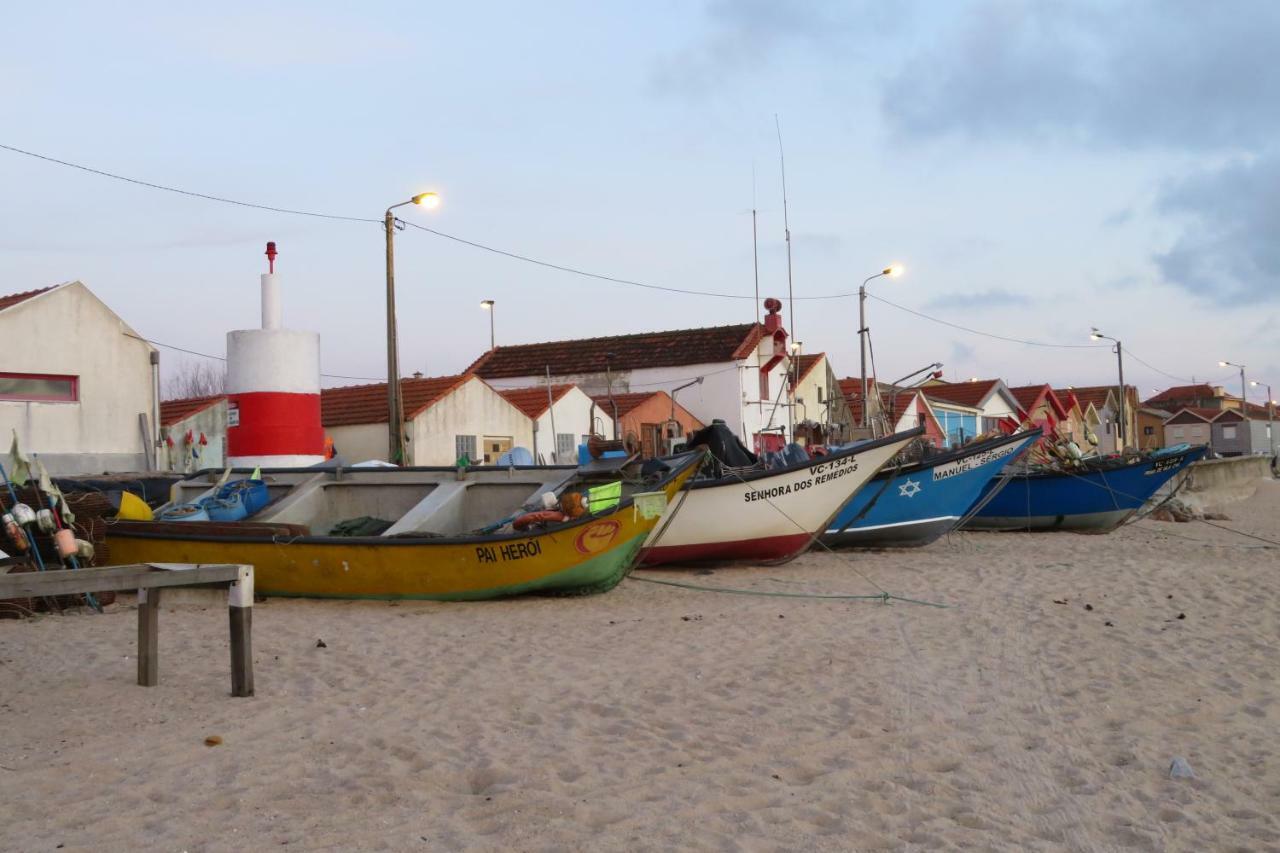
(230, 508)
(184, 512)
(253, 494)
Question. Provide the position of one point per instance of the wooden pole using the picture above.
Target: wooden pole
(149, 637)
(240, 607)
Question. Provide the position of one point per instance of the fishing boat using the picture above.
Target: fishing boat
(450, 535)
(756, 514)
(913, 504)
(1097, 498)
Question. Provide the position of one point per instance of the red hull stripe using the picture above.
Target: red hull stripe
(275, 423)
(745, 550)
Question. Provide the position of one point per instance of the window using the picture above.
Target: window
(1146, 430)
(39, 387)
(1196, 432)
(1229, 431)
(495, 446)
(764, 385)
(566, 450)
(465, 445)
(1177, 433)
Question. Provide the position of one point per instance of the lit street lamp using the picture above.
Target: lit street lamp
(1122, 422)
(1244, 387)
(893, 271)
(1271, 414)
(395, 405)
(487, 304)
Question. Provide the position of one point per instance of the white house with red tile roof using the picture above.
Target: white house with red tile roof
(820, 406)
(562, 420)
(76, 382)
(743, 368)
(445, 417)
(966, 409)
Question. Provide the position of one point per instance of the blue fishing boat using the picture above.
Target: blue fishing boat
(1096, 499)
(914, 504)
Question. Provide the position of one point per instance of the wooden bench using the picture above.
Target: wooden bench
(149, 579)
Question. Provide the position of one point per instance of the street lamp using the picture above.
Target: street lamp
(1122, 422)
(1271, 414)
(892, 271)
(395, 404)
(1244, 386)
(487, 305)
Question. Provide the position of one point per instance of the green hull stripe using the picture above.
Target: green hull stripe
(599, 574)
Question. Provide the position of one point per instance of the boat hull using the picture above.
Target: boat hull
(588, 556)
(917, 505)
(1087, 502)
(770, 515)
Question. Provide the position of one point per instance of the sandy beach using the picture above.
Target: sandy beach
(1040, 710)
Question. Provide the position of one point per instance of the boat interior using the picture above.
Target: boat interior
(430, 502)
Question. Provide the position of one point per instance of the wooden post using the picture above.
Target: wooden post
(240, 607)
(148, 637)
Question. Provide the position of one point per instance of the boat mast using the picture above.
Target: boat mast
(791, 299)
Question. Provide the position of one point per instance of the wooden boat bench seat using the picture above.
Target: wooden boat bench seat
(149, 579)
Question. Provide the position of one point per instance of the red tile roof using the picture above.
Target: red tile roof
(172, 411)
(1086, 394)
(367, 404)
(624, 402)
(1182, 392)
(1186, 415)
(1028, 396)
(14, 298)
(532, 399)
(969, 394)
(809, 362)
(629, 352)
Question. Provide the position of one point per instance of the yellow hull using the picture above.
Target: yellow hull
(591, 555)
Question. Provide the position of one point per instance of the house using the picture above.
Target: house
(822, 413)
(1150, 427)
(649, 420)
(446, 418)
(1201, 396)
(906, 409)
(563, 411)
(1190, 426)
(1042, 408)
(966, 409)
(738, 373)
(193, 433)
(77, 384)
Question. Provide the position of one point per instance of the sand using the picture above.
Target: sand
(655, 718)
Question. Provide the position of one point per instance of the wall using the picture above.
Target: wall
(359, 442)
(572, 417)
(69, 331)
(1157, 437)
(213, 423)
(473, 408)
(1262, 440)
(657, 410)
(1192, 433)
(1237, 446)
(1218, 481)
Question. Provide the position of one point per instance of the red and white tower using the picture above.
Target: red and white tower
(273, 389)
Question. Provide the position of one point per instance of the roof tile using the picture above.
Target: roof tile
(532, 399)
(14, 298)
(172, 411)
(367, 404)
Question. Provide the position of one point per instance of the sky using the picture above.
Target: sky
(1039, 168)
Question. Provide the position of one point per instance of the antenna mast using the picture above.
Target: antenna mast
(791, 298)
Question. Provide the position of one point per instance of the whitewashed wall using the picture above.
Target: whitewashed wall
(473, 409)
(572, 417)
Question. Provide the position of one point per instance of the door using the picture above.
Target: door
(495, 446)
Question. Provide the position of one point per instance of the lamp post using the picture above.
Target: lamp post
(1244, 405)
(1122, 422)
(487, 304)
(1271, 414)
(893, 271)
(395, 406)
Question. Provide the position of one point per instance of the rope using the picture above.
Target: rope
(883, 597)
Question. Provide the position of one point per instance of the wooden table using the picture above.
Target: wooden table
(149, 579)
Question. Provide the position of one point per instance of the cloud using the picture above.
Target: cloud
(961, 352)
(1228, 251)
(1178, 74)
(995, 298)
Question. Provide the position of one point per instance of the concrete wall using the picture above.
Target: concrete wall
(359, 442)
(473, 409)
(1215, 482)
(70, 331)
(213, 423)
(572, 417)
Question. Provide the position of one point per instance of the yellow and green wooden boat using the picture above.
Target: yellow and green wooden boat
(431, 549)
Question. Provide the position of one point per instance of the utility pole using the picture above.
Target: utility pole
(395, 409)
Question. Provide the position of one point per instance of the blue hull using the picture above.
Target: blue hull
(1093, 501)
(918, 504)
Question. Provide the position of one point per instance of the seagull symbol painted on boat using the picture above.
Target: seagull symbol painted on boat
(909, 489)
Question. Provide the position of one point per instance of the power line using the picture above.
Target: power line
(980, 332)
(224, 358)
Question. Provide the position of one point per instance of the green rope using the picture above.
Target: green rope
(882, 597)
